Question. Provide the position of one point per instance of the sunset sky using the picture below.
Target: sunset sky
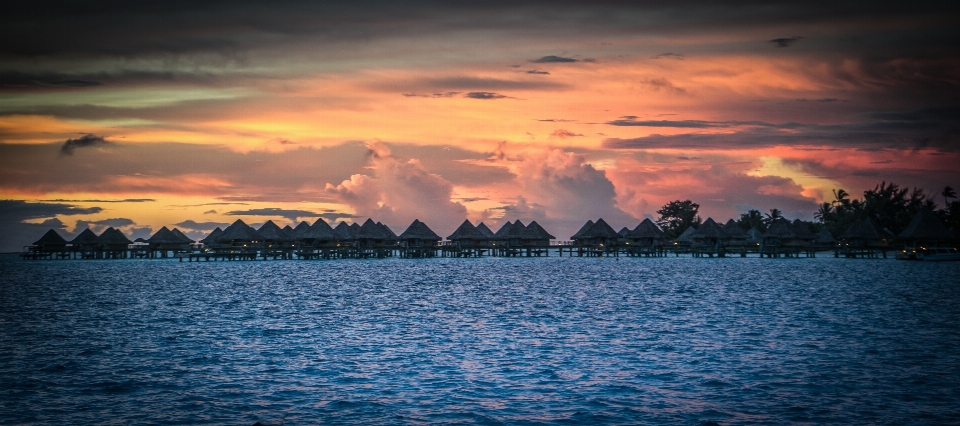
(194, 114)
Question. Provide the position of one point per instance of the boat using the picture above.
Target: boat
(930, 254)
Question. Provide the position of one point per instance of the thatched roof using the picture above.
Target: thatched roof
(624, 232)
(802, 231)
(511, 231)
(600, 229)
(754, 235)
(301, 229)
(164, 236)
(269, 231)
(732, 231)
(319, 231)
(343, 231)
(113, 237)
(687, 235)
(238, 231)
(484, 230)
(289, 231)
(85, 237)
(419, 231)
(466, 231)
(584, 228)
(51, 238)
(824, 236)
(184, 239)
(708, 229)
(387, 233)
(355, 230)
(212, 238)
(647, 229)
(864, 229)
(536, 232)
(780, 228)
(925, 225)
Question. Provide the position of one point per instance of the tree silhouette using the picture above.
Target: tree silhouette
(677, 216)
(948, 193)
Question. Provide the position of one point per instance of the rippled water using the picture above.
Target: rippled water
(674, 340)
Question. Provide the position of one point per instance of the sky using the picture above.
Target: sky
(195, 114)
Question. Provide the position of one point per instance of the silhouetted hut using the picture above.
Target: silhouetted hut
(511, 234)
(732, 235)
(211, 239)
(925, 229)
(85, 242)
(302, 228)
(535, 236)
(320, 234)
(164, 241)
(865, 233)
(113, 244)
(183, 237)
(646, 235)
(239, 235)
(685, 240)
(707, 236)
(779, 235)
(51, 242)
(389, 237)
(485, 230)
(754, 236)
(272, 236)
(586, 226)
(803, 236)
(419, 240)
(469, 237)
(597, 235)
(623, 235)
(825, 240)
(344, 233)
(371, 235)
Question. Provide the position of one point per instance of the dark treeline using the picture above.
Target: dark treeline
(890, 205)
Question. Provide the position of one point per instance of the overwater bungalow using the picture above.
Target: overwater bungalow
(51, 244)
(925, 229)
(320, 235)
(274, 237)
(211, 239)
(824, 240)
(84, 244)
(485, 230)
(468, 240)
(183, 237)
(374, 239)
(163, 242)
(864, 238)
(754, 236)
(706, 239)
(536, 240)
(776, 241)
(586, 226)
(597, 239)
(734, 237)
(646, 239)
(298, 232)
(684, 242)
(112, 244)
(238, 237)
(418, 241)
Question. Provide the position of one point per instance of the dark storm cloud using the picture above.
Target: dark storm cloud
(84, 141)
(784, 42)
(484, 95)
(19, 210)
(871, 135)
(292, 215)
(551, 59)
(670, 55)
(113, 222)
(200, 226)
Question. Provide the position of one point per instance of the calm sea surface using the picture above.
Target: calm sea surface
(517, 341)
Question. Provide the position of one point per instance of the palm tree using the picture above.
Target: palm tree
(842, 197)
(948, 193)
(824, 212)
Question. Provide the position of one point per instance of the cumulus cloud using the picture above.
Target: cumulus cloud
(200, 226)
(84, 141)
(397, 192)
(15, 230)
(784, 42)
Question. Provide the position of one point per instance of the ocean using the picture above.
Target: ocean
(480, 341)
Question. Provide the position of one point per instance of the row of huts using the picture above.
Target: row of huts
(374, 239)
